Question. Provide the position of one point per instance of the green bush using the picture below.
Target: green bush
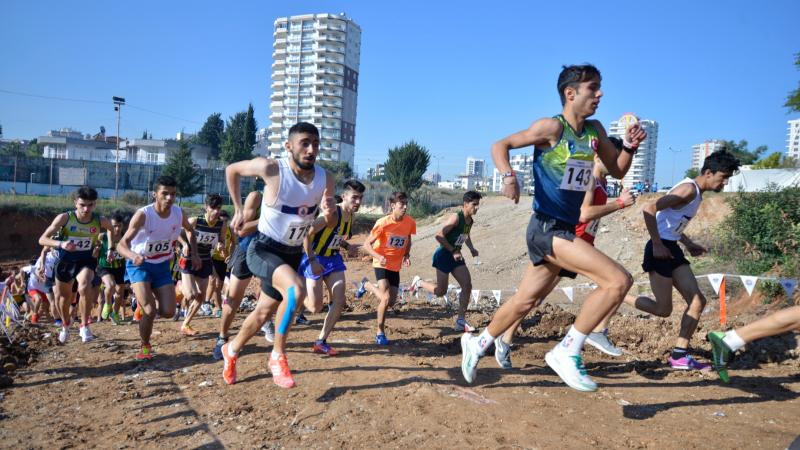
(770, 290)
(134, 198)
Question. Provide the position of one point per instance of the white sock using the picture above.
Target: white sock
(230, 351)
(484, 341)
(275, 355)
(733, 340)
(572, 344)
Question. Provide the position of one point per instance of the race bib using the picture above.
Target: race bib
(207, 238)
(336, 242)
(396, 241)
(153, 248)
(591, 228)
(682, 225)
(461, 239)
(577, 175)
(114, 256)
(296, 232)
(82, 244)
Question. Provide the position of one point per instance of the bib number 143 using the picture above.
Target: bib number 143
(577, 175)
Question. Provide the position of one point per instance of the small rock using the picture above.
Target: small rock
(623, 402)
(719, 414)
(205, 384)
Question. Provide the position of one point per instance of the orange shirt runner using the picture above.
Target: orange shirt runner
(392, 240)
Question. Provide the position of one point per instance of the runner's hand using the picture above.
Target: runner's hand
(635, 134)
(316, 267)
(196, 263)
(474, 252)
(696, 249)
(138, 260)
(511, 190)
(67, 245)
(382, 261)
(328, 207)
(406, 261)
(627, 197)
(237, 222)
(458, 256)
(660, 251)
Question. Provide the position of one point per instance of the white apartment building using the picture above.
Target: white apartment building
(522, 164)
(701, 151)
(643, 168)
(793, 140)
(475, 166)
(315, 79)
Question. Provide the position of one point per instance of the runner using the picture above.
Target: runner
(111, 269)
(563, 153)
(40, 284)
(664, 261)
(595, 205)
(208, 230)
(448, 259)
(293, 187)
(80, 230)
(725, 343)
(148, 246)
(389, 244)
(322, 262)
(220, 258)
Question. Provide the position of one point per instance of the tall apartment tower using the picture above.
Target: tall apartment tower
(793, 141)
(476, 166)
(643, 168)
(315, 79)
(701, 151)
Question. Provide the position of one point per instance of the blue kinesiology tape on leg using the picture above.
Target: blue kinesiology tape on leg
(286, 320)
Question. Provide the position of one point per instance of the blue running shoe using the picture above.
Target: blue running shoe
(362, 289)
(57, 322)
(381, 339)
(218, 348)
(301, 320)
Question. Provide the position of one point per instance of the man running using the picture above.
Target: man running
(389, 244)
(448, 259)
(80, 231)
(208, 230)
(564, 148)
(220, 258)
(322, 262)
(293, 187)
(148, 245)
(111, 269)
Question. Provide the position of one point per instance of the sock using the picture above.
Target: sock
(572, 344)
(231, 352)
(275, 355)
(678, 352)
(733, 340)
(484, 341)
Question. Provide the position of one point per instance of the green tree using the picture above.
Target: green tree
(406, 165)
(340, 170)
(692, 172)
(181, 167)
(211, 134)
(234, 146)
(773, 161)
(793, 99)
(250, 127)
(13, 148)
(34, 149)
(144, 134)
(740, 151)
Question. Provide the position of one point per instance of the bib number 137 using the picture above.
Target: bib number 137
(577, 175)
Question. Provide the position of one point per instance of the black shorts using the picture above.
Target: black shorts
(265, 255)
(118, 273)
(185, 266)
(220, 269)
(539, 236)
(663, 267)
(66, 271)
(389, 275)
(239, 267)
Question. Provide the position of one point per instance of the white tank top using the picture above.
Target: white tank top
(157, 238)
(288, 219)
(671, 222)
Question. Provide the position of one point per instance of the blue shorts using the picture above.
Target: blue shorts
(330, 264)
(444, 261)
(156, 274)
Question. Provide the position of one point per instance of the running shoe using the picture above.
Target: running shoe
(63, 335)
(187, 330)
(362, 288)
(381, 339)
(57, 322)
(137, 315)
(600, 341)
(34, 319)
(269, 331)
(218, 347)
(322, 347)
(462, 326)
(115, 318)
(688, 363)
(145, 353)
(502, 353)
(415, 284)
(177, 315)
(571, 370)
(721, 354)
(86, 334)
(229, 369)
(280, 371)
(219, 313)
(106, 311)
(301, 319)
(469, 357)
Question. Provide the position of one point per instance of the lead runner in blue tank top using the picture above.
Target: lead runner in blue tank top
(564, 146)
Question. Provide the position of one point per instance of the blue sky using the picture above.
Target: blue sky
(455, 76)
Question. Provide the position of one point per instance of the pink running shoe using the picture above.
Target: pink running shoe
(688, 363)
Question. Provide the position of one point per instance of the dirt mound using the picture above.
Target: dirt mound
(27, 341)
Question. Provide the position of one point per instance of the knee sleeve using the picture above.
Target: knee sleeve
(288, 315)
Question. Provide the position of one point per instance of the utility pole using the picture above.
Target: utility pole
(118, 102)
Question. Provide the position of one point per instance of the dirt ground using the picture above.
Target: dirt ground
(411, 394)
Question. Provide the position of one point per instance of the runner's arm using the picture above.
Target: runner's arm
(124, 245)
(105, 223)
(679, 197)
(251, 204)
(471, 247)
(367, 246)
(46, 240)
(407, 256)
(316, 227)
(617, 162)
(590, 212)
(256, 167)
(188, 226)
(329, 201)
(451, 223)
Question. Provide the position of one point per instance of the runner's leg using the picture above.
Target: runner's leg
(336, 282)
(438, 289)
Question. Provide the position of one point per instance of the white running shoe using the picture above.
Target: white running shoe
(415, 283)
(86, 334)
(571, 370)
(601, 342)
(269, 331)
(502, 353)
(63, 335)
(469, 357)
(463, 326)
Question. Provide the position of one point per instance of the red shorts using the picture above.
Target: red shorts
(35, 292)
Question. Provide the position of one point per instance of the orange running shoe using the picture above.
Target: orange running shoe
(137, 315)
(187, 330)
(229, 369)
(145, 353)
(34, 319)
(280, 372)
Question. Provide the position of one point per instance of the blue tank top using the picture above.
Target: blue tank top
(563, 173)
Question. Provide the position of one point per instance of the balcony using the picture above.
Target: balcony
(275, 137)
(275, 127)
(277, 85)
(278, 53)
(276, 95)
(329, 49)
(278, 115)
(280, 31)
(279, 63)
(276, 106)
(278, 74)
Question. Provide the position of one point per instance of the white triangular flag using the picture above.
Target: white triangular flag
(476, 294)
(496, 293)
(788, 285)
(749, 283)
(716, 281)
(568, 292)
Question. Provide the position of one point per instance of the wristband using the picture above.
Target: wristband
(510, 173)
(620, 203)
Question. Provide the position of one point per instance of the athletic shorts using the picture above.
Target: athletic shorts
(389, 275)
(67, 271)
(157, 274)
(185, 265)
(444, 261)
(33, 292)
(330, 264)
(19, 299)
(219, 268)
(118, 273)
(663, 267)
(239, 267)
(539, 236)
(265, 255)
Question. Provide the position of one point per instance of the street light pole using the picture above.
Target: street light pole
(672, 177)
(118, 102)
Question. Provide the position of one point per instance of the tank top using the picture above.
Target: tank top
(157, 238)
(288, 219)
(217, 254)
(588, 230)
(83, 235)
(563, 173)
(671, 222)
(459, 234)
(116, 262)
(207, 236)
(328, 241)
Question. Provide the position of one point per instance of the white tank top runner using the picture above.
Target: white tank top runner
(288, 219)
(672, 222)
(156, 240)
